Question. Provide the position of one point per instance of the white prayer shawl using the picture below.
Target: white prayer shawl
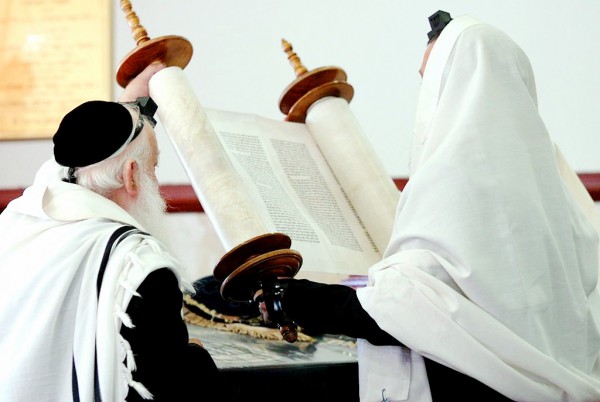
(492, 267)
(51, 244)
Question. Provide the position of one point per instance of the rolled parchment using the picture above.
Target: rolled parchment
(212, 177)
(368, 186)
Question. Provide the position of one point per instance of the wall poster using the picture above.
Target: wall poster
(54, 55)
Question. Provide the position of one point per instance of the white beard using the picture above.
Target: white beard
(149, 209)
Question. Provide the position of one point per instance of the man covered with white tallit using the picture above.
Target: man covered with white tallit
(90, 297)
(488, 287)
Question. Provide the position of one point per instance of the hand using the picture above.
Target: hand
(197, 342)
(262, 307)
(138, 86)
(269, 299)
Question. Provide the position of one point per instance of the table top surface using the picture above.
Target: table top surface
(232, 351)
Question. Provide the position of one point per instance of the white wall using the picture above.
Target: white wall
(238, 64)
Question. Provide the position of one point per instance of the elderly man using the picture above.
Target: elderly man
(90, 300)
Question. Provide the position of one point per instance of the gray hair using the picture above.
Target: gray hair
(106, 176)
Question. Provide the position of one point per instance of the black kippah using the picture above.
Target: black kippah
(438, 22)
(91, 133)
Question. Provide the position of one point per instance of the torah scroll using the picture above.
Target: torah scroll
(319, 182)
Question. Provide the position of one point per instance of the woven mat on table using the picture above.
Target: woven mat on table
(207, 308)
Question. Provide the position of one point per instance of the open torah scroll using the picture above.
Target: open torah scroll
(319, 182)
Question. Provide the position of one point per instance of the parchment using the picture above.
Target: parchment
(359, 170)
(214, 180)
(253, 175)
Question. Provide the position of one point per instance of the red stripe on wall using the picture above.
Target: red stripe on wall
(182, 198)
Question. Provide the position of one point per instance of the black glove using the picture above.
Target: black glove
(330, 309)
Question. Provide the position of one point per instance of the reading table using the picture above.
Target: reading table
(275, 370)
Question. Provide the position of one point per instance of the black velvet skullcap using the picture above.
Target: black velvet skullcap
(91, 133)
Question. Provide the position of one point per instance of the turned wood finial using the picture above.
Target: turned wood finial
(299, 68)
(171, 50)
(310, 86)
(137, 30)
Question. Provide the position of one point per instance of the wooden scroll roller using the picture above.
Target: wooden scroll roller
(171, 50)
(255, 265)
(251, 271)
(310, 86)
